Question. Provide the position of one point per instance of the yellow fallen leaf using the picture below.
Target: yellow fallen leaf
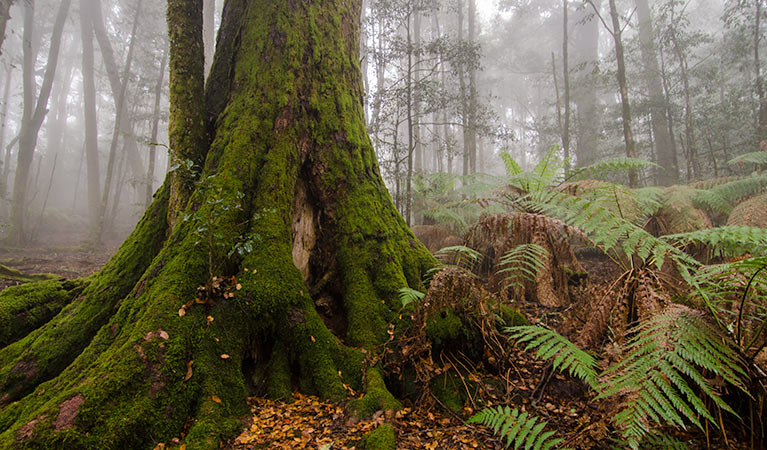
(239, 286)
(188, 370)
(215, 399)
(163, 334)
(313, 340)
(210, 319)
(224, 356)
(182, 312)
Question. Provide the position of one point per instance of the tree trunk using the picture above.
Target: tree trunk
(120, 109)
(34, 113)
(585, 90)
(133, 359)
(566, 79)
(3, 125)
(5, 14)
(473, 101)
(91, 146)
(665, 150)
(155, 129)
(628, 134)
(209, 32)
(760, 95)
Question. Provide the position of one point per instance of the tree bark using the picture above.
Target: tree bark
(566, 80)
(668, 172)
(585, 91)
(34, 113)
(628, 134)
(134, 359)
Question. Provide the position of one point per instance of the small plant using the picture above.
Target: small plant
(519, 429)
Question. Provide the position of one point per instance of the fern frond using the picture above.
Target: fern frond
(724, 241)
(408, 296)
(512, 166)
(603, 167)
(753, 157)
(566, 355)
(721, 198)
(549, 168)
(522, 263)
(662, 378)
(460, 256)
(517, 428)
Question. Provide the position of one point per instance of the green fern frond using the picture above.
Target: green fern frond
(549, 168)
(551, 345)
(721, 198)
(522, 263)
(604, 167)
(662, 379)
(726, 241)
(459, 256)
(753, 157)
(445, 215)
(408, 296)
(519, 429)
(512, 166)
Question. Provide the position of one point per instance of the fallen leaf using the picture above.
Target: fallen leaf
(182, 312)
(239, 286)
(188, 370)
(224, 356)
(313, 340)
(215, 399)
(210, 319)
(163, 335)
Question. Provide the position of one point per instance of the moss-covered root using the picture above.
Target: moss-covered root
(377, 397)
(382, 438)
(25, 308)
(45, 352)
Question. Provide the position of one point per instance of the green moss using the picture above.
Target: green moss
(450, 390)
(449, 331)
(382, 438)
(512, 317)
(377, 397)
(27, 307)
(278, 374)
(13, 274)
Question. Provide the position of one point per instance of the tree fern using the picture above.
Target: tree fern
(662, 379)
(604, 167)
(566, 355)
(522, 263)
(519, 429)
(721, 198)
(459, 256)
(408, 296)
(512, 166)
(753, 157)
(724, 241)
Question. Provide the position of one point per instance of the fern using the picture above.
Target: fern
(459, 256)
(730, 240)
(523, 263)
(566, 356)
(519, 429)
(753, 157)
(408, 296)
(665, 367)
(721, 198)
(512, 166)
(607, 166)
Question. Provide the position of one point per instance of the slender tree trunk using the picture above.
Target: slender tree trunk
(557, 97)
(473, 109)
(155, 129)
(34, 114)
(585, 91)
(665, 150)
(3, 125)
(5, 14)
(120, 108)
(419, 147)
(410, 123)
(91, 148)
(463, 92)
(760, 95)
(628, 134)
(566, 79)
(115, 84)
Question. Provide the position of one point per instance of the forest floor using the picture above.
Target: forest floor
(308, 423)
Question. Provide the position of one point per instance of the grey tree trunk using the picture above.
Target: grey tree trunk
(209, 32)
(566, 79)
(666, 158)
(585, 92)
(5, 14)
(34, 113)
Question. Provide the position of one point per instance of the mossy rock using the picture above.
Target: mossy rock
(382, 438)
(752, 212)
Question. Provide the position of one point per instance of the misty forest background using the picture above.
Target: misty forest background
(449, 86)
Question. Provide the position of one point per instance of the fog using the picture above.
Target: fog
(449, 86)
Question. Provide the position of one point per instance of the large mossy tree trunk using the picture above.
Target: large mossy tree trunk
(290, 174)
